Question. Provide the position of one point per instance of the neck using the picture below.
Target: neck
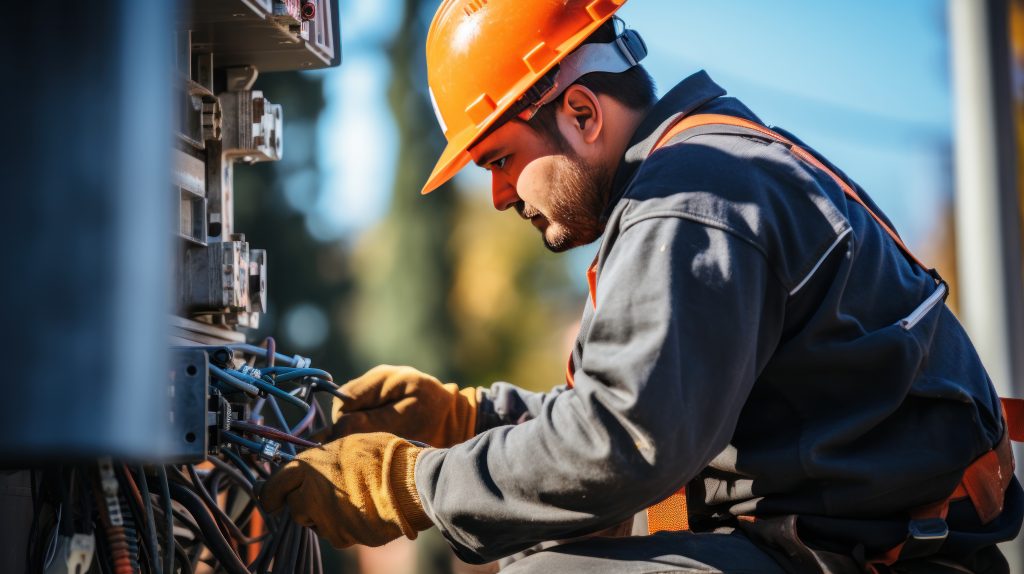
(621, 123)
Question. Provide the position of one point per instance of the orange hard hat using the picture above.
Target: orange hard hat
(486, 58)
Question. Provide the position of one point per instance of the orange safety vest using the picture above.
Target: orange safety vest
(985, 480)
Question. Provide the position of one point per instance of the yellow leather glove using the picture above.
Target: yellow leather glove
(355, 490)
(408, 403)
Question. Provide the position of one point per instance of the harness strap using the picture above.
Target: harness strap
(699, 120)
(985, 480)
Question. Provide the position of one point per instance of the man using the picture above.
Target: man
(754, 332)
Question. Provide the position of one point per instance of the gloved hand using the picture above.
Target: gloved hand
(355, 490)
(407, 403)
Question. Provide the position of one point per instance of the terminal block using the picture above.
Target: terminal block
(226, 279)
(252, 126)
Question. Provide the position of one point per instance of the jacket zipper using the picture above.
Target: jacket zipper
(908, 322)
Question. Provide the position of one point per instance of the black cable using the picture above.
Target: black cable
(316, 552)
(269, 550)
(212, 535)
(182, 556)
(218, 512)
(85, 498)
(165, 492)
(66, 523)
(285, 557)
(303, 553)
(30, 563)
(179, 551)
(242, 481)
(151, 534)
(242, 474)
(233, 474)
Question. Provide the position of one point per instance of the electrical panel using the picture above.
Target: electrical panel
(222, 48)
(145, 418)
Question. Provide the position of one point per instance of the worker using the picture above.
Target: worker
(765, 378)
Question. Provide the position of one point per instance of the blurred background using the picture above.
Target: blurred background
(366, 271)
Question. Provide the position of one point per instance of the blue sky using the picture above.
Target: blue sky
(866, 83)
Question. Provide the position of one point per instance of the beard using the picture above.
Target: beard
(579, 193)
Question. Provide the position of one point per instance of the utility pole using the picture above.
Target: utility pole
(986, 199)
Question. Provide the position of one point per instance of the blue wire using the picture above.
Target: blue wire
(261, 352)
(276, 409)
(287, 373)
(253, 445)
(270, 389)
(244, 468)
(234, 381)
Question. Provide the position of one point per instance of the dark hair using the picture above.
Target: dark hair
(633, 88)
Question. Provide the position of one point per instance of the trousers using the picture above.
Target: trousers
(673, 552)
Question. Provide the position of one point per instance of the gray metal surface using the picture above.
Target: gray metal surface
(187, 382)
(247, 32)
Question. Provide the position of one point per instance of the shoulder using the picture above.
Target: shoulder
(748, 187)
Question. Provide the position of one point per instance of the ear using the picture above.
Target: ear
(583, 111)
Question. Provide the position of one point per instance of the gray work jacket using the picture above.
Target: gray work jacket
(756, 336)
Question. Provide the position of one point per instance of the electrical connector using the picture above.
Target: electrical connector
(108, 482)
(251, 371)
(271, 449)
(79, 553)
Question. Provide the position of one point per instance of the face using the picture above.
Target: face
(547, 182)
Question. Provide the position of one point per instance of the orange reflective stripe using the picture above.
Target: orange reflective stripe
(669, 515)
(699, 120)
(570, 377)
(1013, 411)
(592, 282)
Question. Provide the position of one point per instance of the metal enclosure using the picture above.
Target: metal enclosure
(129, 119)
(86, 173)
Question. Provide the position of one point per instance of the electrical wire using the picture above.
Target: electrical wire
(150, 522)
(172, 519)
(231, 381)
(215, 540)
(253, 446)
(272, 433)
(296, 361)
(281, 421)
(165, 492)
(284, 374)
(218, 513)
(243, 469)
(268, 387)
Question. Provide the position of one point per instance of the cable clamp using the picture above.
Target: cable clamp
(271, 449)
(251, 371)
(79, 553)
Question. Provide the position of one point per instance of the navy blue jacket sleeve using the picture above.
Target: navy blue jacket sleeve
(686, 315)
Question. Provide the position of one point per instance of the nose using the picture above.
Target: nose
(502, 192)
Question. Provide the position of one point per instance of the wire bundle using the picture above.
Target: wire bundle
(172, 519)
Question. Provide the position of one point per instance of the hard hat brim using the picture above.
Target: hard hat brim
(454, 157)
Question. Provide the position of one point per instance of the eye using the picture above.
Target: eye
(499, 163)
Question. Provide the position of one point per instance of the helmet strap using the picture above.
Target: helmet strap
(617, 56)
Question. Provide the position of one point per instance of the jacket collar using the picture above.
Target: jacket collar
(688, 95)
